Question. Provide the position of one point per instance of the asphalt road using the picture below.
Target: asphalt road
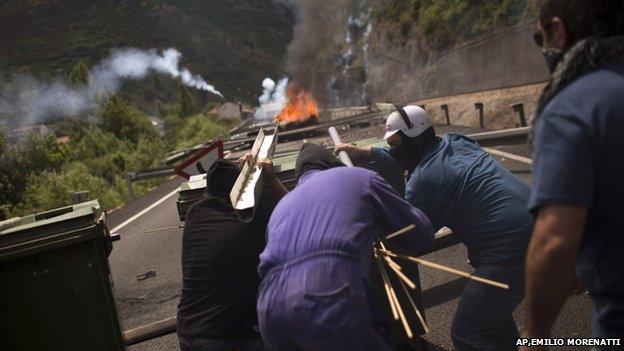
(147, 276)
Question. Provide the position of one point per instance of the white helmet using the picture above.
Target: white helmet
(411, 120)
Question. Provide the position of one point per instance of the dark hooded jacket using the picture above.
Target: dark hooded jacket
(314, 156)
(219, 263)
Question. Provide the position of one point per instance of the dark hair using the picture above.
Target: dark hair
(221, 178)
(584, 18)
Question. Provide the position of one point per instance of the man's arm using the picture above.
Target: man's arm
(356, 153)
(386, 164)
(395, 213)
(271, 178)
(551, 259)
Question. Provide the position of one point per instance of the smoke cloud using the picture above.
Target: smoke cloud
(26, 100)
(328, 52)
(273, 98)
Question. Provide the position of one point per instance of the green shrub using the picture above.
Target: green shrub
(199, 129)
(124, 120)
(441, 23)
(52, 189)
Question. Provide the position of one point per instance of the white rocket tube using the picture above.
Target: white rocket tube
(343, 155)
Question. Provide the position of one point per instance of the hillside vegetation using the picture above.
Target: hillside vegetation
(441, 24)
(233, 44)
(41, 173)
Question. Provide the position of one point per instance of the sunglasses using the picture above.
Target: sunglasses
(538, 37)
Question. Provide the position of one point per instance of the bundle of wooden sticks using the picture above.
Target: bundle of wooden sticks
(385, 261)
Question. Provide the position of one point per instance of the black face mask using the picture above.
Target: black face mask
(407, 153)
(553, 56)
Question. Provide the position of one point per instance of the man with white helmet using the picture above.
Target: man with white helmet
(458, 185)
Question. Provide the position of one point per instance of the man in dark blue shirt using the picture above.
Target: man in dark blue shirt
(458, 185)
(578, 195)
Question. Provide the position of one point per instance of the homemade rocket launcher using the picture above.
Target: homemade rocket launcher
(246, 191)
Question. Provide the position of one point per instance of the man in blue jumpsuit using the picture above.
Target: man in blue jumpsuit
(458, 185)
(315, 293)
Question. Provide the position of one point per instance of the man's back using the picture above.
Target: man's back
(219, 266)
(336, 209)
(459, 185)
(579, 160)
(315, 293)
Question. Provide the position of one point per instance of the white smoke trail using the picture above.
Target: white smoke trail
(28, 101)
(279, 96)
(273, 98)
(269, 86)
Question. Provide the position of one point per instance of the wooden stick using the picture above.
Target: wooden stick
(408, 330)
(401, 232)
(401, 275)
(386, 283)
(446, 269)
(388, 259)
(418, 314)
(394, 265)
(397, 269)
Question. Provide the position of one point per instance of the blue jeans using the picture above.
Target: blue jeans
(220, 345)
(484, 320)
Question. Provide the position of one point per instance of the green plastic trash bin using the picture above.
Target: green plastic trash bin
(55, 286)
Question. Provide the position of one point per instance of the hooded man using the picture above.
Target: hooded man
(458, 185)
(315, 293)
(217, 309)
(578, 193)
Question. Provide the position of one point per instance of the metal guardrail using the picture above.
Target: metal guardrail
(513, 136)
(320, 126)
(146, 174)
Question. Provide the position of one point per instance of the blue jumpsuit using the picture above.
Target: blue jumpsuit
(460, 186)
(315, 267)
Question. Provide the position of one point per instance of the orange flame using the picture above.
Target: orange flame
(301, 106)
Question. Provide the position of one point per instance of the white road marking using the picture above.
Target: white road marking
(144, 211)
(509, 156)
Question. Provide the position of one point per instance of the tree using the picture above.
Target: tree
(199, 129)
(125, 121)
(79, 75)
(2, 144)
(18, 163)
(50, 190)
(185, 100)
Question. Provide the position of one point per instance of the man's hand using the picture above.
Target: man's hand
(270, 178)
(266, 165)
(244, 159)
(355, 152)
